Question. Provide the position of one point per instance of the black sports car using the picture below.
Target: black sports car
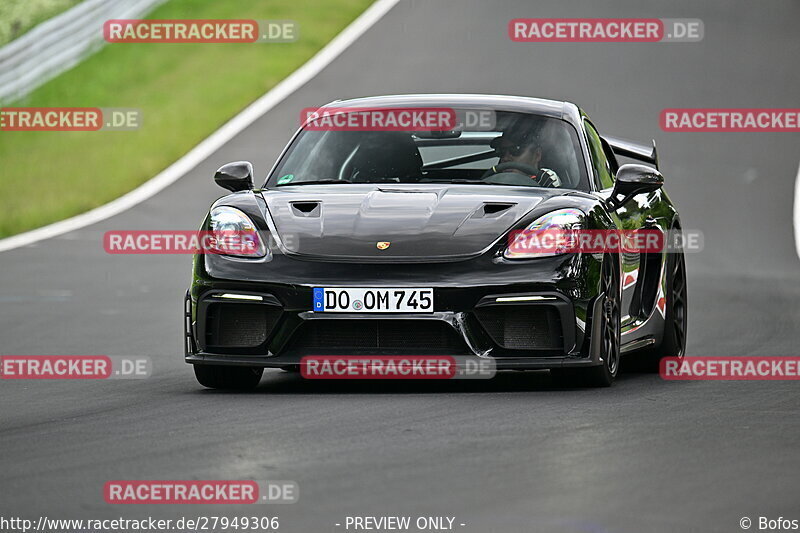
(391, 241)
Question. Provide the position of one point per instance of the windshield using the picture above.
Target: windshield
(518, 149)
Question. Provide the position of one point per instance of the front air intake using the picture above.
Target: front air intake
(421, 337)
(239, 325)
(522, 327)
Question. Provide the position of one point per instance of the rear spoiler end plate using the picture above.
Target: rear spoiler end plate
(640, 152)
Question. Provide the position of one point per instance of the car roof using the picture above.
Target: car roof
(521, 104)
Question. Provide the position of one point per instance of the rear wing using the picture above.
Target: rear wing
(640, 152)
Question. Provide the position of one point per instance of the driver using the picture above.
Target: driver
(520, 152)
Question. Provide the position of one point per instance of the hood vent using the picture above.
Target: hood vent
(491, 210)
(306, 209)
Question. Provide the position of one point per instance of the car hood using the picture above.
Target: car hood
(419, 222)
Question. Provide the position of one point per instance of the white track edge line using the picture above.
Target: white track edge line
(797, 213)
(216, 140)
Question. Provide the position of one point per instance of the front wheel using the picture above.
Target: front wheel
(228, 377)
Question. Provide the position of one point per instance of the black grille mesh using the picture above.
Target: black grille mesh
(522, 327)
(232, 325)
(366, 334)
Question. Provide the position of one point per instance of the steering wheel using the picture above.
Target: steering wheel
(511, 165)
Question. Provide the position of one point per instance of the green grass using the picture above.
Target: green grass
(185, 92)
(19, 16)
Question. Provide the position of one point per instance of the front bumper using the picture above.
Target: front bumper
(270, 323)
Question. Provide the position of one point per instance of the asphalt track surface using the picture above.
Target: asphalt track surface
(512, 454)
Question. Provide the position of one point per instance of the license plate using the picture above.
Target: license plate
(372, 300)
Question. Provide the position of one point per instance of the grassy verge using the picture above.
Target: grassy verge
(19, 16)
(185, 92)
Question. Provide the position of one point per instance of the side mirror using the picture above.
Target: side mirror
(236, 176)
(634, 179)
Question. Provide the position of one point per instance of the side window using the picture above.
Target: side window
(602, 167)
(612, 159)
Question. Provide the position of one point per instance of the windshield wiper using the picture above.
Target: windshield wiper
(462, 180)
(313, 182)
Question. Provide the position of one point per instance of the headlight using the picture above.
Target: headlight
(549, 235)
(234, 234)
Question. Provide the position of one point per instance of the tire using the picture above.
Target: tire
(673, 341)
(228, 377)
(604, 374)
